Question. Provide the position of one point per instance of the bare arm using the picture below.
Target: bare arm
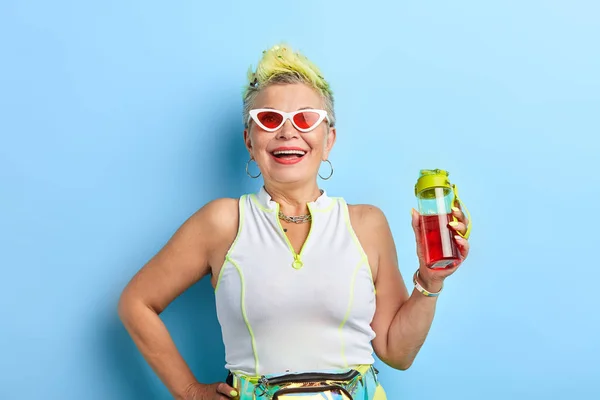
(183, 261)
(401, 322)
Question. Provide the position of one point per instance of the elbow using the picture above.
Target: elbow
(403, 366)
(123, 306)
(126, 306)
(131, 306)
(401, 363)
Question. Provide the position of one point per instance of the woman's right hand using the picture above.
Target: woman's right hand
(213, 391)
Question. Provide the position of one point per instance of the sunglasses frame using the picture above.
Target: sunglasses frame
(253, 114)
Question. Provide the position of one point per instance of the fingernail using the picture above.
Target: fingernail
(456, 209)
(453, 224)
(233, 393)
(458, 237)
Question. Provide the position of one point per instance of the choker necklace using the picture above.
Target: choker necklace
(296, 219)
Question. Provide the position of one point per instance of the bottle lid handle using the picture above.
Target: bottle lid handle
(468, 232)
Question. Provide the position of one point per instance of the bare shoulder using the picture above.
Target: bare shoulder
(218, 223)
(367, 217)
(372, 231)
(219, 214)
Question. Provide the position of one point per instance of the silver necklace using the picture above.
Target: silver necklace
(296, 219)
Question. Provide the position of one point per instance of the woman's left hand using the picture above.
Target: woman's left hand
(432, 279)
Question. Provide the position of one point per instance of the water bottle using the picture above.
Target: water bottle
(435, 197)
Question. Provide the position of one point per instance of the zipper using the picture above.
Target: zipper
(297, 263)
(310, 376)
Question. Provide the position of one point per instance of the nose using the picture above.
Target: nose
(288, 131)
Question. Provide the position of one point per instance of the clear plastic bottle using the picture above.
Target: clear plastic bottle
(435, 197)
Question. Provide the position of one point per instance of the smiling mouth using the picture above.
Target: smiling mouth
(288, 154)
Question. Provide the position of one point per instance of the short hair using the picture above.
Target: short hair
(282, 65)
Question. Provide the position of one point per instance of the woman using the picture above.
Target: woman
(303, 281)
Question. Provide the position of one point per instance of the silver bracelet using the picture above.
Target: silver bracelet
(422, 289)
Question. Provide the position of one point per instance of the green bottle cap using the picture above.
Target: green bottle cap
(430, 178)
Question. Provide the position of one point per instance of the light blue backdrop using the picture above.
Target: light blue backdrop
(119, 119)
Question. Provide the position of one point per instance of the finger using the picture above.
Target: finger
(415, 219)
(463, 246)
(416, 223)
(227, 391)
(458, 227)
(458, 213)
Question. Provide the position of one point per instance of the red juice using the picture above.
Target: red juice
(439, 247)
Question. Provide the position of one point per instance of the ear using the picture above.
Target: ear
(329, 142)
(248, 141)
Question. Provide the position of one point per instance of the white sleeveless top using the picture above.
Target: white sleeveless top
(285, 312)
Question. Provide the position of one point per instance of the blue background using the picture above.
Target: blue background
(119, 119)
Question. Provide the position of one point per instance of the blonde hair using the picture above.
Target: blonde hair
(282, 65)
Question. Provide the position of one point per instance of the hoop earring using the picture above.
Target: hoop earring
(248, 173)
(330, 174)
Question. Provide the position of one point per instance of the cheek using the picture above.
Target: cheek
(259, 142)
(317, 142)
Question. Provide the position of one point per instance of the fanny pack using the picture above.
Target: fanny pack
(345, 385)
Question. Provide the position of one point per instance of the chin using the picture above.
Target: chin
(290, 176)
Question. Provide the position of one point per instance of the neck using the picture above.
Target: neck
(292, 200)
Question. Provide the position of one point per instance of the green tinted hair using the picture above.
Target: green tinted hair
(282, 65)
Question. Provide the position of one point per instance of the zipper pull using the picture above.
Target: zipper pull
(297, 264)
(263, 386)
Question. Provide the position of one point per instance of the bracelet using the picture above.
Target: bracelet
(422, 289)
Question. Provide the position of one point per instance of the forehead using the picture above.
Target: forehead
(288, 97)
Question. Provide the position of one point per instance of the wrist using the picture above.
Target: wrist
(427, 286)
(191, 392)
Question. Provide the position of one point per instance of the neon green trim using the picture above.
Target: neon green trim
(221, 274)
(351, 229)
(332, 203)
(350, 302)
(253, 379)
(242, 210)
(257, 202)
(468, 232)
(297, 263)
(244, 315)
(361, 250)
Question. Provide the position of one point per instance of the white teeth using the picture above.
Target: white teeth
(299, 152)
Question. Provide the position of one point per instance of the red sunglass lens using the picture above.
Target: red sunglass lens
(270, 119)
(306, 119)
